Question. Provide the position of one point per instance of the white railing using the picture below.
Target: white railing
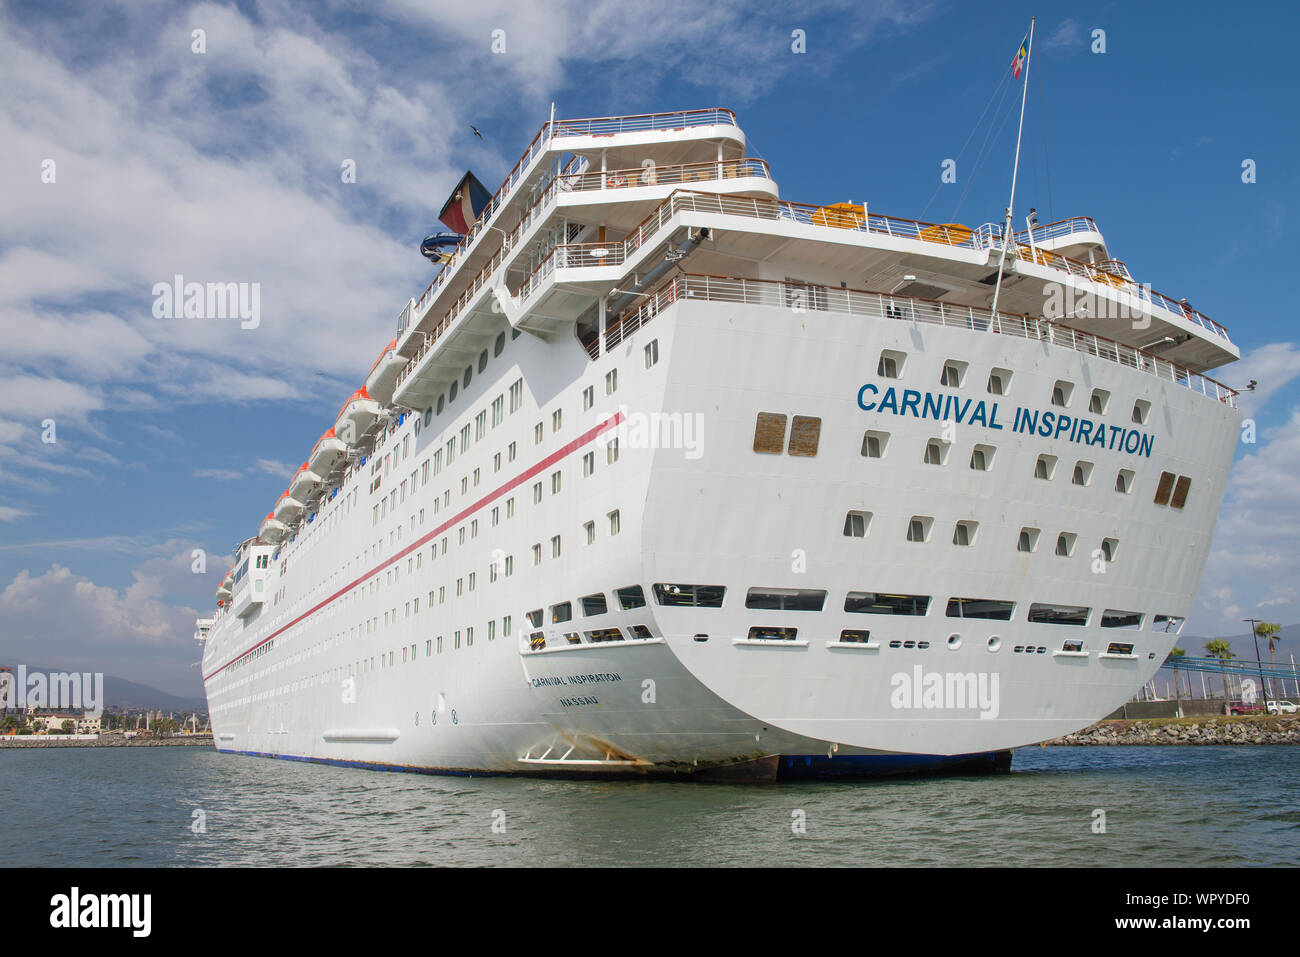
(595, 126)
(608, 125)
(947, 234)
(1063, 227)
(805, 298)
(673, 175)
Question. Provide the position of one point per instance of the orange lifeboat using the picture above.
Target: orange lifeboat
(305, 483)
(356, 417)
(382, 379)
(841, 216)
(272, 529)
(950, 234)
(326, 454)
(287, 509)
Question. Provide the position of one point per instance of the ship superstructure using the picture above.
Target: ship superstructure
(666, 474)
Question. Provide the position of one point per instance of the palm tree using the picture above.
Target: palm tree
(1219, 648)
(1175, 654)
(1268, 630)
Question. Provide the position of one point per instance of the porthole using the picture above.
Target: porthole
(442, 400)
(469, 374)
(995, 643)
(500, 345)
(954, 642)
(428, 414)
(451, 392)
(482, 361)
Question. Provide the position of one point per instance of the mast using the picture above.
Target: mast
(1015, 168)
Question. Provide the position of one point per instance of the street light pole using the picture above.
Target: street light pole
(1259, 662)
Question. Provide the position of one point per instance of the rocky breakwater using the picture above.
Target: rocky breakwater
(1226, 730)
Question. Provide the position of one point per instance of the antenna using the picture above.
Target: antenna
(1015, 168)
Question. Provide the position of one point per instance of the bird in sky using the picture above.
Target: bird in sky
(476, 132)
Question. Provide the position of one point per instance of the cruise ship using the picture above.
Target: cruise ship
(667, 475)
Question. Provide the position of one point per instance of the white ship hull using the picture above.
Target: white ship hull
(362, 653)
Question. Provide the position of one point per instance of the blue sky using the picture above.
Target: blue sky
(176, 435)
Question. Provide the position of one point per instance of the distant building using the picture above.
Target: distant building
(51, 722)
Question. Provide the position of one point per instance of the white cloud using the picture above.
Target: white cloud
(9, 513)
(1272, 366)
(272, 467)
(1252, 560)
(62, 619)
(1067, 34)
(220, 475)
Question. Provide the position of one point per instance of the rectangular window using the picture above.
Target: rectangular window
(786, 599)
(498, 410)
(630, 596)
(611, 452)
(537, 492)
(614, 522)
(561, 612)
(588, 464)
(805, 433)
(510, 452)
(874, 603)
(874, 444)
(855, 636)
(555, 481)
(1164, 488)
(769, 433)
(1181, 488)
(590, 529)
(588, 398)
(1045, 614)
(557, 417)
(770, 633)
(594, 604)
(1167, 624)
(980, 608)
(555, 546)
(694, 596)
(516, 395)
(605, 634)
(651, 353)
(538, 434)
(1110, 618)
(1119, 648)
(855, 524)
(611, 381)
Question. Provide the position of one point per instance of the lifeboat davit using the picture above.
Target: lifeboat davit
(287, 509)
(383, 374)
(305, 483)
(328, 452)
(272, 530)
(356, 417)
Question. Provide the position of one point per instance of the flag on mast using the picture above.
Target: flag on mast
(1018, 63)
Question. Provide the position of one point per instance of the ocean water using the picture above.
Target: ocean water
(1163, 806)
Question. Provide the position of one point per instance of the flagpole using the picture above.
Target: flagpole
(1006, 226)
